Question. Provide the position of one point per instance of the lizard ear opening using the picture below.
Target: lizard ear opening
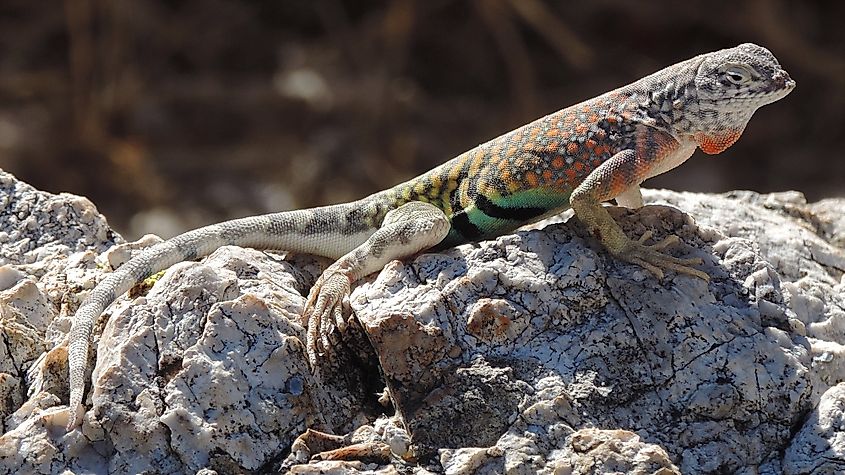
(717, 142)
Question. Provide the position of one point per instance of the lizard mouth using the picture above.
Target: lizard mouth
(780, 85)
(777, 89)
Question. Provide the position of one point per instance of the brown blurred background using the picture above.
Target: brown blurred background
(173, 114)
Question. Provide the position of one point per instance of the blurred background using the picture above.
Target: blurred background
(174, 114)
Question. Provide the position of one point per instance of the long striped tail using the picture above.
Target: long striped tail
(330, 231)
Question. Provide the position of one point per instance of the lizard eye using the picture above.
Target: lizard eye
(737, 75)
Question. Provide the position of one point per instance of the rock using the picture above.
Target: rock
(819, 447)
(204, 371)
(207, 369)
(40, 229)
(489, 331)
(532, 352)
(804, 244)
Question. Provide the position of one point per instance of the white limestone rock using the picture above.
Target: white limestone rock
(587, 451)
(534, 352)
(819, 447)
(805, 245)
(471, 338)
(43, 228)
(207, 369)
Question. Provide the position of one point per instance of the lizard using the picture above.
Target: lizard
(579, 157)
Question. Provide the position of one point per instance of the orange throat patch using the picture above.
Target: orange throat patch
(717, 142)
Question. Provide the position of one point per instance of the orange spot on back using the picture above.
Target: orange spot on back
(557, 163)
(581, 129)
(554, 132)
(585, 157)
(572, 148)
(593, 118)
(554, 145)
(547, 175)
(531, 178)
(590, 143)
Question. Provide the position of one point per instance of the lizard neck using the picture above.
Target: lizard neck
(667, 100)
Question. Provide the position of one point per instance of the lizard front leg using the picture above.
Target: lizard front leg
(406, 230)
(630, 198)
(618, 176)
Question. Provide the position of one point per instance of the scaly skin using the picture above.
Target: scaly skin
(581, 156)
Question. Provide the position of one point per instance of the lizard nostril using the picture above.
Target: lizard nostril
(782, 78)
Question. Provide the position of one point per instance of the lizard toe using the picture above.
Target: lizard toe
(652, 257)
(324, 312)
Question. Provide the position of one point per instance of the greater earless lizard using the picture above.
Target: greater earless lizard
(578, 157)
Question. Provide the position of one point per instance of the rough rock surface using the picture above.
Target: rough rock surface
(534, 352)
(820, 445)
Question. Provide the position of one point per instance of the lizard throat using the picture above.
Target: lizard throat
(712, 143)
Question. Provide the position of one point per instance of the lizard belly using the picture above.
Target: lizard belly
(673, 159)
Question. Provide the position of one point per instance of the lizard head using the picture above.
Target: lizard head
(731, 85)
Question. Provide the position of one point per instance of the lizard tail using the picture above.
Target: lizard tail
(330, 231)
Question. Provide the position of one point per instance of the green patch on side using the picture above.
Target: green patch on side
(548, 199)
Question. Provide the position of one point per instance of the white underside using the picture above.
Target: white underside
(674, 159)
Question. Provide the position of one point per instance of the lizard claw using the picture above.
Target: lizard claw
(324, 312)
(652, 258)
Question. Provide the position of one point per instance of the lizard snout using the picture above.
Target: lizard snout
(783, 81)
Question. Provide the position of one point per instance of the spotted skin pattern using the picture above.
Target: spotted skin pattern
(578, 157)
(520, 176)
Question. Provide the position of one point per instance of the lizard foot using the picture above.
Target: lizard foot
(652, 258)
(324, 311)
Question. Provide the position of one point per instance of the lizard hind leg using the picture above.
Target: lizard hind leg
(406, 230)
